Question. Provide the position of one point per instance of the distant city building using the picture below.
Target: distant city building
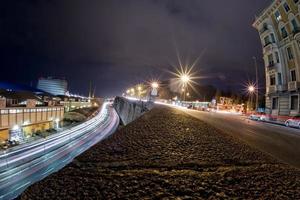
(279, 30)
(53, 86)
(23, 113)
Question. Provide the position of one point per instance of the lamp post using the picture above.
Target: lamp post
(185, 79)
(154, 91)
(256, 82)
(251, 90)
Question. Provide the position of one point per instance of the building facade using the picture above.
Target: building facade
(53, 86)
(279, 30)
(24, 114)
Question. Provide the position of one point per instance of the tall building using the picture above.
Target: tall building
(53, 86)
(279, 29)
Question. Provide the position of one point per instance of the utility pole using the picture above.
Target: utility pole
(256, 82)
(90, 90)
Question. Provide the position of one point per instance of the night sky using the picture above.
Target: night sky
(117, 43)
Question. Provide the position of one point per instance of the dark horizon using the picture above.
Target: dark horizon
(118, 44)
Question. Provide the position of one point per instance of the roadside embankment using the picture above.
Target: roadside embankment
(129, 110)
(166, 154)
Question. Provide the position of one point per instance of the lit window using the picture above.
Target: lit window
(13, 111)
(277, 16)
(4, 111)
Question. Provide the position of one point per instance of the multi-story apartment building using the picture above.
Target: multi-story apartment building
(279, 30)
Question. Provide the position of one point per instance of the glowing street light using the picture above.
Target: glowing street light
(154, 85)
(185, 78)
(251, 89)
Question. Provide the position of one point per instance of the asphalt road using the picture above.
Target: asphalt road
(56, 153)
(280, 142)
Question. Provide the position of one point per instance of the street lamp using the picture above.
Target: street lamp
(185, 78)
(154, 85)
(251, 90)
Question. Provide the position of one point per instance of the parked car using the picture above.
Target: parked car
(258, 117)
(293, 122)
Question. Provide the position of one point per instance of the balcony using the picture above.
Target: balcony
(275, 88)
(273, 67)
(293, 86)
(264, 29)
(268, 47)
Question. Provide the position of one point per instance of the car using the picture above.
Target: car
(258, 117)
(190, 106)
(293, 122)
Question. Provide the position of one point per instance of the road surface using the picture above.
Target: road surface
(27, 164)
(281, 142)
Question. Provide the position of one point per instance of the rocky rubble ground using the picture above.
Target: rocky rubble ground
(167, 154)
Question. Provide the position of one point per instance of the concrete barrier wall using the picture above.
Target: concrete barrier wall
(129, 110)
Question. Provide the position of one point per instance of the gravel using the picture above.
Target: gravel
(167, 154)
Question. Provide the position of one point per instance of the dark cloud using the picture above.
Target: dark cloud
(116, 43)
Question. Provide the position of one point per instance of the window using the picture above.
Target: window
(283, 32)
(294, 102)
(267, 40)
(294, 25)
(290, 53)
(264, 28)
(13, 111)
(275, 103)
(4, 111)
(277, 57)
(279, 79)
(277, 16)
(271, 60)
(293, 75)
(286, 7)
(272, 80)
(272, 38)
